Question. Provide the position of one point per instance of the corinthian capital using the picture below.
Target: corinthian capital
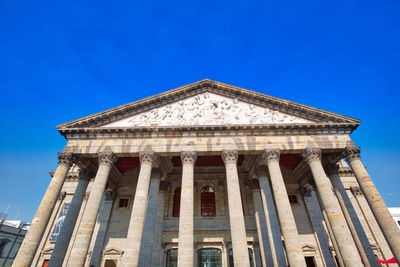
(147, 156)
(107, 158)
(230, 156)
(188, 157)
(351, 153)
(270, 154)
(311, 154)
(66, 158)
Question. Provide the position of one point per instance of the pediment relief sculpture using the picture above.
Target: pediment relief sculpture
(208, 109)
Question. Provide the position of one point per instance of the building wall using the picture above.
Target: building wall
(13, 238)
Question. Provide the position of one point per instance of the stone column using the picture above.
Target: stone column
(81, 245)
(236, 218)
(61, 246)
(32, 239)
(293, 247)
(262, 230)
(159, 227)
(151, 216)
(136, 224)
(359, 235)
(381, 212)
(344, 240)
(186, 219)
(271, 219)
(101, 227)
(316, 218)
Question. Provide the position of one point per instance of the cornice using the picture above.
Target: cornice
(208, 131)
(93, 122)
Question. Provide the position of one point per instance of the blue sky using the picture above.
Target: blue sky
(62, 61)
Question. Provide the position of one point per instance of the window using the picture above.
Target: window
(398, 222)
(110, 263)
(3, 243)
(210, 257)
(177, 202)
(251, 258)
(123, 203)
(310, 262)
(172, 257)
(293, 199)
(208, 201)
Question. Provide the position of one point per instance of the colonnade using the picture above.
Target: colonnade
(274, 215)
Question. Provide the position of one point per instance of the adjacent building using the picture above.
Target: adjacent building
(12, 233)
(210, 174)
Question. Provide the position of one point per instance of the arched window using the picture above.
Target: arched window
(208, 201)
(177, 202)
(210, 257)
(172, 257)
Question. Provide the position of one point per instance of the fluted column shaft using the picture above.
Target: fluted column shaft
(262, 229)
(344, 240)
(186, 219)
(381, 212)
(359, 235)
(151, 216)
(236, 217)
(294, 251)
(271, 219)
(32, 239)
(316, 218)
(79, 251)
(159, 226)
(61, 246)
(136, 224)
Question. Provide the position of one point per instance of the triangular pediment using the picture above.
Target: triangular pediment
(208, 103)
(207, 109)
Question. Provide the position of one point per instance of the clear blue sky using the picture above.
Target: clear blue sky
(62, 61)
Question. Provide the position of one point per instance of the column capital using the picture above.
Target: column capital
(254, 184)
(110, 195)
(333, 169)
(147, 157)
(271, 154)
(107, 158)
(311, 154)
(188, 157)
(164, 185)
(66, 158)
(356, 190)
(230, 156)
(62, 195)
(351, 153)
(308, 190)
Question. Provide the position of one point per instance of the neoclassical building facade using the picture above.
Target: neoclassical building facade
(209, 174)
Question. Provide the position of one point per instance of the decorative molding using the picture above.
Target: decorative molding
(203, 86)
(107, 158)
(269, 155)
(188, 157)
(230, 156)
(66, 158)
(311, 154)
(351, 153)
(356, 190)
(147, 156)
